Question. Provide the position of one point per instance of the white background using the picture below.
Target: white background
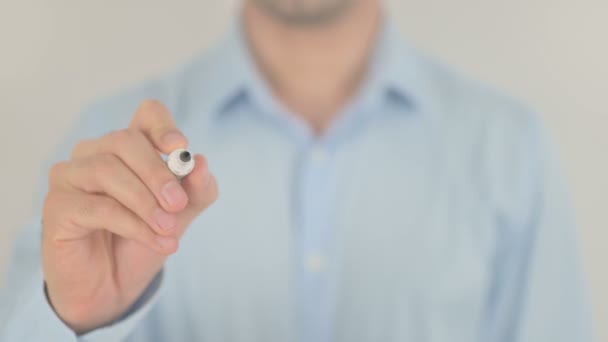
(56, 56)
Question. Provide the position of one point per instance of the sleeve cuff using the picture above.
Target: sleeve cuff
(124, 326)
(34, 319)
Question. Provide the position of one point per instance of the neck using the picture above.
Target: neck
(314, 70)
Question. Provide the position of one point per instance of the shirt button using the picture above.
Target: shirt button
(318, 155)
(315, 263)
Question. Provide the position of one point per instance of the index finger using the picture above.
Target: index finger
(156, 122)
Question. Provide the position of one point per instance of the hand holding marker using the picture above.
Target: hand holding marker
(113, 214)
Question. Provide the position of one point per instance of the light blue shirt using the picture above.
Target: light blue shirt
(432, 210)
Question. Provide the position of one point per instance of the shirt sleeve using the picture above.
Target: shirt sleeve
(26, 314)
(539, 292)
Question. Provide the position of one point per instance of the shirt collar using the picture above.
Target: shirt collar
(395, 73)
(399, 71)
(392, 65)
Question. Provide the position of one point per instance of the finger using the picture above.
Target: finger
(202, 191)
(73, 215)
(156, 122)
(107, 174)
(200, 185)
(136, 151)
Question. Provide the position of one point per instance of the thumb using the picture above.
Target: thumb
(202, 190)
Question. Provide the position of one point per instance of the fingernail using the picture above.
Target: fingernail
(165, 242)
(165, 220)
(174, 195)
(173, 139)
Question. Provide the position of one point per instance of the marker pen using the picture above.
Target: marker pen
(180, 162)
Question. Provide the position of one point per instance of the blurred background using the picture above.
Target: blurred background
(57, 56)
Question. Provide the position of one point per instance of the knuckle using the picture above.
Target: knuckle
(129, 137)
(57, 172)
(211, 193)
(155, 176)
(80, 148)
(121, 137)
(105, 162)
(203, 163)
(160, 174)
(214, 189)
(160, 129)
(104, 165)
(137, 137)
(143, 200)
(57, 209)
(105, 208)
(51, 202)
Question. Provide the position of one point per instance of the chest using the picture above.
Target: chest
(410, 251)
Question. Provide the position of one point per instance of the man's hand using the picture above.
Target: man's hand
(113, 214)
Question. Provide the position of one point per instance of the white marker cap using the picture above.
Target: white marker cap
(180, 162)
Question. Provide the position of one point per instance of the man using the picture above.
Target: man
(368, 194)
